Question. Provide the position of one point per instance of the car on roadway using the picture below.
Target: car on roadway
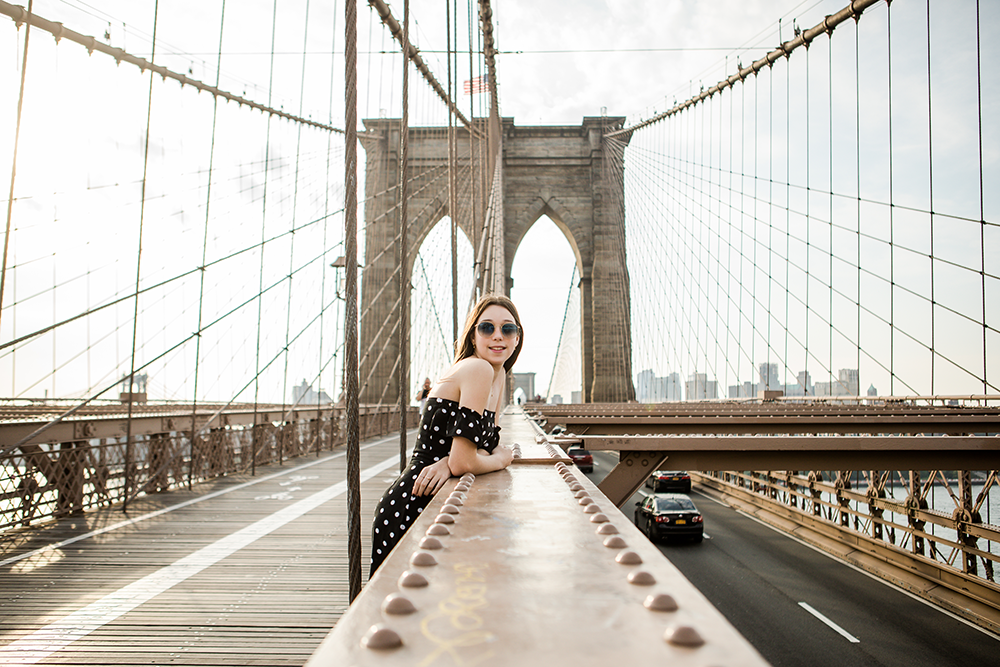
(665, 515)
(670, 480)
(582, 458)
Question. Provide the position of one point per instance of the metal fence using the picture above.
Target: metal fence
(91, 462)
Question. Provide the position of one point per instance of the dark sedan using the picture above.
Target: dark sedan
(669, 515)
(582, 458)
(670, 480)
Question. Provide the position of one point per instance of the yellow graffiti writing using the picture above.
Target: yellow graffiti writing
(458, 612)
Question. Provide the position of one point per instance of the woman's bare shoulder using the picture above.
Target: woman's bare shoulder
(473, 368)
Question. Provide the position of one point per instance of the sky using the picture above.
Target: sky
(558, 63)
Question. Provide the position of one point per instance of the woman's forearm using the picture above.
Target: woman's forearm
(479, 462)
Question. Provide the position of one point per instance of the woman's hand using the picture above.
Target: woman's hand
(430, 480)
(505, 454)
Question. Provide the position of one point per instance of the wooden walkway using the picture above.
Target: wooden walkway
(240, 571)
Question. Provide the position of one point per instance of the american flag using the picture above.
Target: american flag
(480, 84)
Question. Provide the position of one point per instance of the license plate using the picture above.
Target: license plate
(675, 479)
(679, 521)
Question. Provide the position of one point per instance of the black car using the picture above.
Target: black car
(670, 480)
(582, 458)
(669, 515)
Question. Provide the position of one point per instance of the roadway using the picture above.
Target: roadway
(799, 606)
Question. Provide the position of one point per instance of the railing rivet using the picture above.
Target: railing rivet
(683, 635)
(450, 509)
(660, 602)
(585, 500)
(430, 543)
(380, 637)
(607, 529)
(599, 518)
(412, 580)
(438, 529)
(423, 559)
(615, 542)
(591, 509)
(398, 604)
(628, 558)
(444, 518)
(641, 578)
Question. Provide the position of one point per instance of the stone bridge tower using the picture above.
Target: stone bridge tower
(558, 171)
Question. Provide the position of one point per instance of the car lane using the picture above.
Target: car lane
(799, 606)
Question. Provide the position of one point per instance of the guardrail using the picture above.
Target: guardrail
(102, 458)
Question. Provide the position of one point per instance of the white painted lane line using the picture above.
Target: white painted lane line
(873, 577)
(839, 630)
(150, 515)
(59, 634)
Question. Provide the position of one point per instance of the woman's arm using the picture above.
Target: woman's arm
(475, 381)
(477, 463)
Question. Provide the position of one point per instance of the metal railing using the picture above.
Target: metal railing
(86, 463)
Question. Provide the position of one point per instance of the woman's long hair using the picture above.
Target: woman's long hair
(465, 346)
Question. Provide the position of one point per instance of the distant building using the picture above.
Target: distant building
(849, 379)
(576, 396)
(768, 377)
(872, 391)
(846, 384)
(744, 390)
(650, 388)
(303, 394)
(805, 383)
(699, 387)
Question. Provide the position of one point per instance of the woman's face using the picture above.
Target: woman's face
(493, 345)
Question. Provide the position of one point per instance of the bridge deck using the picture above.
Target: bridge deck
(254, 571)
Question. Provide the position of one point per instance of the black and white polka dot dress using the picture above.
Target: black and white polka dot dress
(441, 420)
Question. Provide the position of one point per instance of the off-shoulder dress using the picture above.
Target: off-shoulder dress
(441, 420)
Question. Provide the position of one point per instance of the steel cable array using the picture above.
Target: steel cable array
(762, 232)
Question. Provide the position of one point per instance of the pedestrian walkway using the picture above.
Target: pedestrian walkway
(240, 570)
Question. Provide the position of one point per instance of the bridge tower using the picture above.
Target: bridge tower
(558, 171)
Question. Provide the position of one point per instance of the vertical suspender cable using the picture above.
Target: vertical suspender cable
(857, 173)
(263, 246)
(138, 272)
(452, 193)
(829, 95)
(204, 246)
(351, 298)
(982, 209)
(472, 140)
(13, 165)
(404, 278)
(286, 421)
(326, 221)
(808, 224)
(892, 275)
(930, 187)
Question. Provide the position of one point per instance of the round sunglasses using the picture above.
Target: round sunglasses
(509, 330)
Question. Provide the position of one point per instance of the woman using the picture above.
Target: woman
(458, 431)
